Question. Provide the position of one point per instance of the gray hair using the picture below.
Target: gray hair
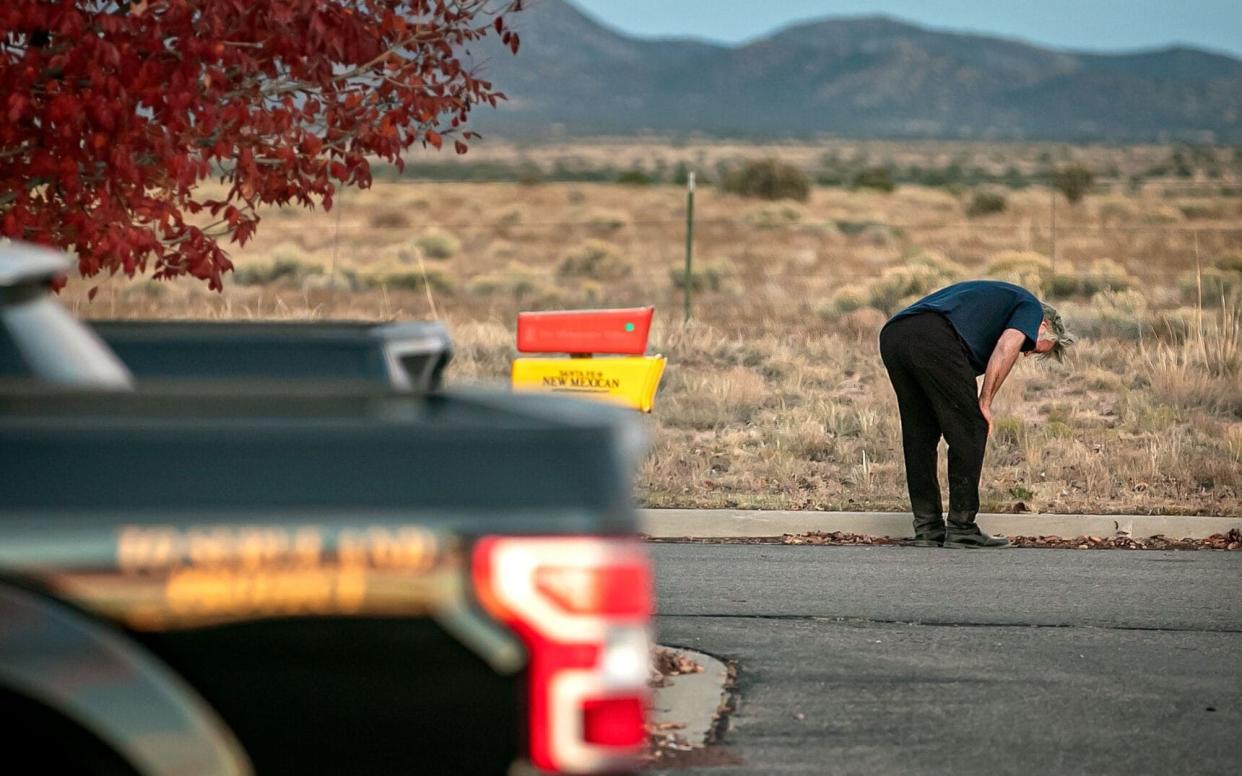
(1061, 337)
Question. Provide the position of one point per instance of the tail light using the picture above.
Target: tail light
(582, 606)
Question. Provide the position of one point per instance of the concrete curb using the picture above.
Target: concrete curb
(733, 523)
(693, 700)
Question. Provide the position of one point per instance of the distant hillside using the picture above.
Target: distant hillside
(869, 76)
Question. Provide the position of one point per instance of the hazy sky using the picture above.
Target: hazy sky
(1074, 24)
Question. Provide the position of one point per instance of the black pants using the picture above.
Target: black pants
(937, 396)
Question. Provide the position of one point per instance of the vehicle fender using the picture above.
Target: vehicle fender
(92, 674)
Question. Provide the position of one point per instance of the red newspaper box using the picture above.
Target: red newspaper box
(580, 332)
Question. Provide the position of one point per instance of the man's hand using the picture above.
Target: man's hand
(987, 415)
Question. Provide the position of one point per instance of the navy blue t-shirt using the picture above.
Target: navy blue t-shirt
(981, 310)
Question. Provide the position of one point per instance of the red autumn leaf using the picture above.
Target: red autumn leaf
(111, 114)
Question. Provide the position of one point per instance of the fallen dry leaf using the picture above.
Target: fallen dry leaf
(1231, 541)
(1227, 541)
(671, 662)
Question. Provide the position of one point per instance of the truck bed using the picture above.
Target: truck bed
(408, 355)
(254, 446)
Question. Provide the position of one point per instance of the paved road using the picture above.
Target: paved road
(904, 660)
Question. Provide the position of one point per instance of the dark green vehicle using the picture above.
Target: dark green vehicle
(403, 356)
(306, 575)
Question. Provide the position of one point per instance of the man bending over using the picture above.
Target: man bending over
(933, 351)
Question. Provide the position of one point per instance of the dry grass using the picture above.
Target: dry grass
(775, 395)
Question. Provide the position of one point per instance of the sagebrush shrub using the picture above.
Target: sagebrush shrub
(1031, 270)
(985, 203)
(877, 178)
(947, 268)
(438, 244)
(715, 275)
(768, 179)
(1219, 286)
(897, 285)
(394, 275)
(1230, 262)
(1105, 275)
(846, 300)
(388, 218)
(595, 259)
(1074, 181)
(607, 220)
(519, 281)
(276, 271)
(773, 216)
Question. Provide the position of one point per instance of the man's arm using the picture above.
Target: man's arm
(1007, 350)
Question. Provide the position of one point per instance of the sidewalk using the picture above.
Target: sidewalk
(734, 523)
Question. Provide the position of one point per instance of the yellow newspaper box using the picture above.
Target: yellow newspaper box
(630, 381)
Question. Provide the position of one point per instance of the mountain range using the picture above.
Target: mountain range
(871, 76)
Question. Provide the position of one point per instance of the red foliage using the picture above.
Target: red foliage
(111, 113)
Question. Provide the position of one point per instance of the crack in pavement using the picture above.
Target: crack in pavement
(850, 620)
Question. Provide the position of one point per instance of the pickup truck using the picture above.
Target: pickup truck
(255, 576)
(406, 356)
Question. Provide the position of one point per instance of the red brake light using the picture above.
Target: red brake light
(582, 606)
(618, 590)
(613, 721)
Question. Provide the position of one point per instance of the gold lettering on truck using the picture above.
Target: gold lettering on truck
(217, 592)
(184, 576)
(139, 549)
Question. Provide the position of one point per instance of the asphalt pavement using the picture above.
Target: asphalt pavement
(909, 660)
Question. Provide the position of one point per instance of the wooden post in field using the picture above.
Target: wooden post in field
(1199, 288)
(689, 245)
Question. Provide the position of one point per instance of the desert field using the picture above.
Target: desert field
(775, 396)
